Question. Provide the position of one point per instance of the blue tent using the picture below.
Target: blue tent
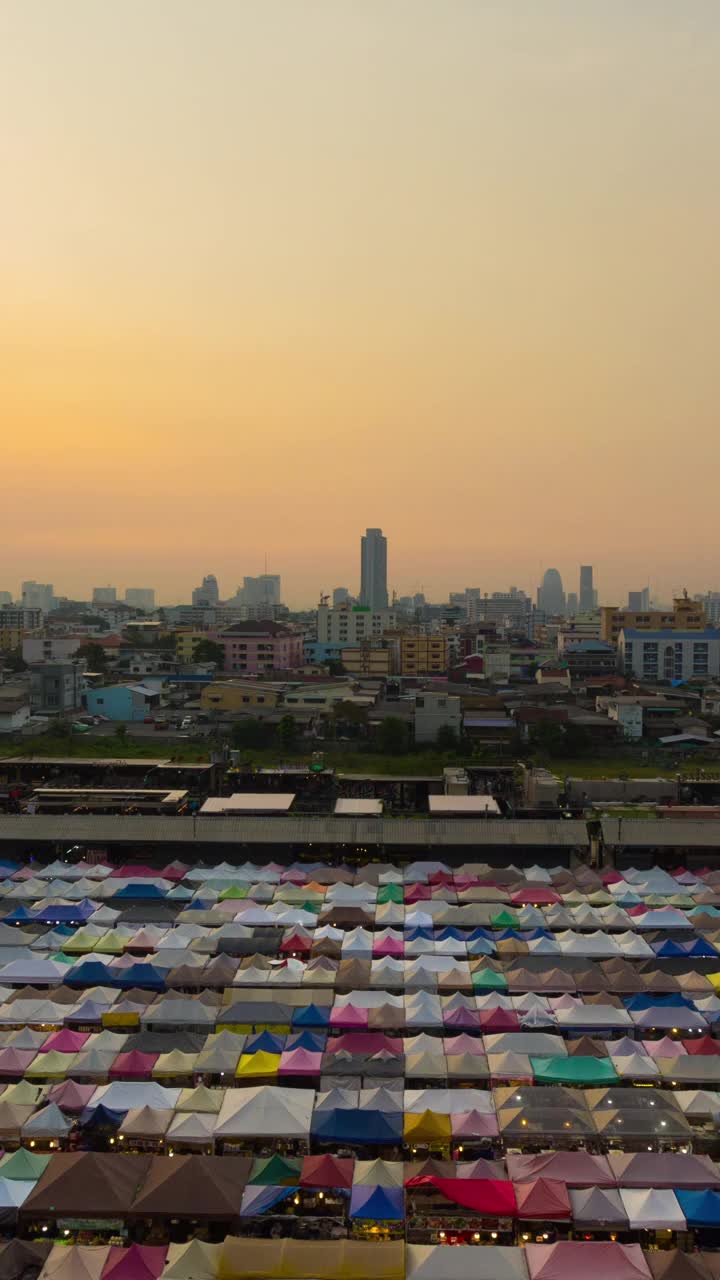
(71, 913)
(674, 1000)
(420, 933)
(258, 1199)
(265, 1042)
(667, 949)
(346, 1124)
(311, 1016)
(701, 1208)
(451, 932)
(378, 1203)
(139, 890)
(199, 904)
(101, 1117)
(137, 975)
(89, 973)
(19, 915)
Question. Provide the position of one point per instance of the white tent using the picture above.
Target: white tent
(267, 1111)
(464, 1262)
(652, 1209)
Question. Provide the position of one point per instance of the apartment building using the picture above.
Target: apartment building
(685, 615)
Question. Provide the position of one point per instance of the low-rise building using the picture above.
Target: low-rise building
(351, 624)
(685, 615)
(14, 709)
(56, 688)
(589, 658)
(369, 660)
(420, 653)
(436, 711)
(51, 648)
(254, 648)
(235, 696)
(127, 702)
(670, 655)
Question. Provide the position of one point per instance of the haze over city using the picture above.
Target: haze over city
(451, 269)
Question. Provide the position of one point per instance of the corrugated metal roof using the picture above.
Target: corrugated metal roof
(663, 832)
(421, 833)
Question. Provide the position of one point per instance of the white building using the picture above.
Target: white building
(352, 624)
(435, 711)
(50, 648)
(14, 709)
(38, 595)
(670, 655)
(627, 714)
(140, 598)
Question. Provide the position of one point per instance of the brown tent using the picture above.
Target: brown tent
(23, 1259)
(193, 1187)
(87, 1183)
(673, 1264)
(586, 1047)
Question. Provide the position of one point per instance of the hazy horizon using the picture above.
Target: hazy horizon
(273, 272)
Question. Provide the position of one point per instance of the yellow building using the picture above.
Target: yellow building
(366, 660)
(239, 695)
(11, 638)
(421, 654)
(686, 615)
(186, 642)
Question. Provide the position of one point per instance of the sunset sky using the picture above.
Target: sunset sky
(275, 270)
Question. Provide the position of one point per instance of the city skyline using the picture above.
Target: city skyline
(468, 293)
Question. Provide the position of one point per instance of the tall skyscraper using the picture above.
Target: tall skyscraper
(587, 593)
(373, 570)
(572, 604)
(104, 595)
(140, 597)
(208, 593)
(550, 596)
(264, 589)
(37, 595)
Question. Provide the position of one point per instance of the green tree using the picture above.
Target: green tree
(548, 739)
(121, 732)
(209, 651)
(446, 739)
(94, 654)
(287, 733)
(252, 733)
(392, 736)
(60, 728)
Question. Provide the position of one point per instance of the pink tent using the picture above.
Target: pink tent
(704, 1046)
(348, 1015)
(535, 896)
(593, 1259)
(465, 1019)
(574, 1168)
(65, 1041)
(611, 877)
(300, 1062)
(139, 1262)
(463, 1044)
(71, 1096)
(134, 871)
(389, 947)
(474, 1124)
(489, 1197)
(665, 1048)
(133, 1065)
(174, 871)
(418, 893)
(492, 1020)
(14, 1062)
(543, 1199)
(368, 1042)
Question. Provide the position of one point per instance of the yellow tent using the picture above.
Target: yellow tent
(258, 1064)
(428, 1126)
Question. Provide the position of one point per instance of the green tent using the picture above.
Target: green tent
(504, 920)
(23, 1165)
(275, 1171)
(390, 893)
(588, 1072)
(488, 980)
(234, 891)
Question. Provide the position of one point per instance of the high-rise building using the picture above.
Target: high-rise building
(140, 597)
(104, 595)
(340, 595)
(37, 595)
(572, 604)
(587, 593)
(208, 593)
(639, 601)
(373, 570)
(5, 597)
(265, 589)
(550, 596)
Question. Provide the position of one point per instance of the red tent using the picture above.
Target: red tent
(492, 1020)
(326, 1171)
(296, 942)
(139, 1262)
(133, 1066)
(544, 1198)
(535, 896)
(574, 1168)
(704, 1045)
(365, 1042)
(490, 1197)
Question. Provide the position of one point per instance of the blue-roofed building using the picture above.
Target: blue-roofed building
(670, 655)
(122, 701)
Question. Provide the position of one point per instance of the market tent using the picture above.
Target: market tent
(574, 1168)
(196, 1260)
(75, 1262)
(464, 1262)
(257, 1200)
(664, 1169)
(377, 1203)
(138, 1262)
(672, 1264)
(265, 1111)
(652, 1209)
(427, 1126)
(23, 1259)
(87, 1183)
(378, 1173)
(192, 1186)
(248, 1259)
(325, 1171)
(192, 1129)
(543, 1198)
(48, 1122)
(146, 1122)
(474, 1124)
(356, 1126)
(489, 1197)
(200, 1098)
(700, 1208)
(593, 1259)
(588, 1072)
(598, 1207)
(275, 1171)
(24, 1165)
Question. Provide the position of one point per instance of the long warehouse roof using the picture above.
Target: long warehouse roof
(646, 833)
(422, 833)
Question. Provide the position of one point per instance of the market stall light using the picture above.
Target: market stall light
(476, 1235)
(493, 1235)
(526, 1235)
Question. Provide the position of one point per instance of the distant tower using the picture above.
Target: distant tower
(587, 593)
(340, 595)
(551, 597)
(208, 594)
(373, 570)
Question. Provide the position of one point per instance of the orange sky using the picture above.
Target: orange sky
(275, 270)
